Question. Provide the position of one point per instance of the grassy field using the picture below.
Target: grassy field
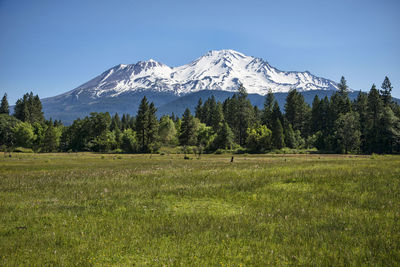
(92, 209)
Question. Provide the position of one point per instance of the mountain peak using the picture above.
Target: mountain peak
(224, 53)
(216, 70)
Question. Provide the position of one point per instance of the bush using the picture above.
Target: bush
(23, 150)
(220, 151)
(117, 151)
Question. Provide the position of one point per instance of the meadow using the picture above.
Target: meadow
(161, 210)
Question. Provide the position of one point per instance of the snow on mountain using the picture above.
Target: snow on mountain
(217, 70)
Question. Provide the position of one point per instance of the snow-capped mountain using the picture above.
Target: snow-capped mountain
(217, 70)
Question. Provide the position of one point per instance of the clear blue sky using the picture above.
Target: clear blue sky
(51, 47)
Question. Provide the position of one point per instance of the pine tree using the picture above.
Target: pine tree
(187, 136)
(374, 109)
(152, 126)
(343, 88)
(276, 114)
(348, 132)
(115, 123)
(267, 111)
(297, 111)
(316, 114)
(50, 138)
(277, 134)
(199, 110)
(290, 138)
(224, 137)
(389, 126)
(217, 116)
(244, 115)
(142, 122)
(4, 107)
(386, 91)
(29, 109)
(360, 106)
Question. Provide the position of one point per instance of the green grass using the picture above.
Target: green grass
(91, 209)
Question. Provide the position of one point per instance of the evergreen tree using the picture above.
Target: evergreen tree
(152, 126)
(217, 116)
(316, 115)
(347, 132)
(276, 114)
(142, 123)
(209, 111)
(389, 127)
(297, 112)
(4, 107)
(374, 109)
(386, 91)
(7, 124)
(244, 115)
(115, 123)
(29, 109)
(290, 140)
(277, 134)
(360, 106)
(187, 135)
(50, 141)
(124, 122)
(267, 111)
(199, 110)
(343, 88)
(257, 115)
(224, 137)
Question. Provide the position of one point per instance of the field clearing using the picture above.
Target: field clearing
(93, 209)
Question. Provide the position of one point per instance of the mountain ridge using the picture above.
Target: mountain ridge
(216, 70)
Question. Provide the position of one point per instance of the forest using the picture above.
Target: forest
(369, 124)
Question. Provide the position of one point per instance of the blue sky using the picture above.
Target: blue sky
(50, 47)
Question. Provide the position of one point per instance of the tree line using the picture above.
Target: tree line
(369, 124)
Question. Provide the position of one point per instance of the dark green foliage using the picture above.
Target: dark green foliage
(116, 123)
(187, 134)
(267, 111)
(142, 122)
(374, 113)
(343, 88)
(224, 137)
(277, 135)
(348, 132)
(239, 114)
(297, 112)
(386, 91)
(7, 137)
(389, 126)
(316, 115)
(4, 107)
(199, 110)
(29, 109)
(128, 141)
(293, 139)
(50, 140)
(360, 106)
(152, 127)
